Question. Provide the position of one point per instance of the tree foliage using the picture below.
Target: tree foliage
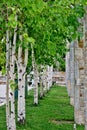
(48, 22)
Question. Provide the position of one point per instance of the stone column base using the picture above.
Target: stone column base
(79, 117)
(72, 101)
(85, 127)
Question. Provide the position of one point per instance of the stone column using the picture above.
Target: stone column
(79, 84)
(85, 60)
(68, 72)
(72, 75)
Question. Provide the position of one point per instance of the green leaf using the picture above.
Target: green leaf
(13, 85)
(31, 40)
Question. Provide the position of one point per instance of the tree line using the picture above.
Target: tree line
(33, 37)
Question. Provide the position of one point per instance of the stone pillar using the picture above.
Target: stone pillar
(72, 75)
(85, 60)
(79, 85)
(68, 72)
(75, 75)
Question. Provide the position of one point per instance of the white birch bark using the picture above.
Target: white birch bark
(35, 77)
(45, 80)
(12, 78)
(21, 84)
(48, 77)
(7, 79)
(21, 103)
(50, 73)
(10, 52)
(41, 86)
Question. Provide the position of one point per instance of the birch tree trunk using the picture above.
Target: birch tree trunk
(50, 73)
(7, 79)
(35, 77)
(21, 103)
(36, 86)
(21, 95)
(45, 80)
(47, 77)
(21, 84)
(10, 59)
(12, 79)
(41, 86)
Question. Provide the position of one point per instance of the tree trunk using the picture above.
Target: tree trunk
(41, 86)
(12, 78)
(45, 81)
(12, 87)
(35, 77)
(21, 88)
(21, 84)
(7, 79)
(21, 95)
(47, 77)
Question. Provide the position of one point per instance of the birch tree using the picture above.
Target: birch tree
(41, 86)
(40, 77)
(7, 80)
(10, 63)
(21, 65)
(35, 74)
(12, 77)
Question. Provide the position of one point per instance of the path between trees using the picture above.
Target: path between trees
(54, 112)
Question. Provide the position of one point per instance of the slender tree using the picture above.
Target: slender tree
(21, 65)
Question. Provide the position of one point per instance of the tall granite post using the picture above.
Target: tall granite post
(72, 75)
(79, 84)
(68, 70)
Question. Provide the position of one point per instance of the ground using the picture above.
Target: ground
(54, 112)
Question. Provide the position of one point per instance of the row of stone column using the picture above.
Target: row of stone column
(76, 73)
(75, 80)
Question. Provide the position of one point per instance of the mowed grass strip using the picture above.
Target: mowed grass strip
(54, 112)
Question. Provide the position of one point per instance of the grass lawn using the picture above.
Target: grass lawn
(54, 112)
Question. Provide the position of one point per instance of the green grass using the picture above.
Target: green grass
(2, 118)
(54, 112)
